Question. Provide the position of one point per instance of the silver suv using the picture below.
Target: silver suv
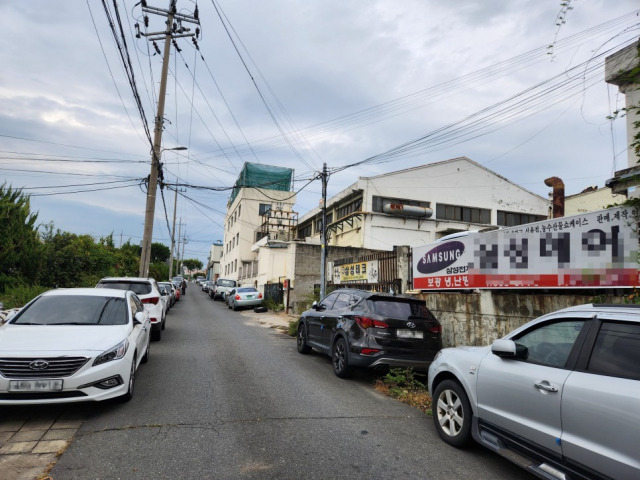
(558, 396)
(148, 291)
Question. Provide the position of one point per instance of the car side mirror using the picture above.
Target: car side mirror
(509, 349)
(139, 317)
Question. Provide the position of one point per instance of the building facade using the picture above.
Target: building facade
(419, 205)
(261, 206)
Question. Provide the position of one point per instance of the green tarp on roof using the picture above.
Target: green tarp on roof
(268, 177)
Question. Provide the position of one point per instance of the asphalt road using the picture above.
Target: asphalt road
(223, 397)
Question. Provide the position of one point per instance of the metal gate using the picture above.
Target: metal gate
(274, 292)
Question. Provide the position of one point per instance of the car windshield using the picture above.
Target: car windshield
(74, 310)
(247, 289)
(226, 283)
(139, 288)
(400, 310)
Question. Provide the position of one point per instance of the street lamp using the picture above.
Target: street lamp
(145, 254)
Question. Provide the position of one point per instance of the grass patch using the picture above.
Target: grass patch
(293, 327)
(407, 386)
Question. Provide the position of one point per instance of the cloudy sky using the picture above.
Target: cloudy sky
(299, 84)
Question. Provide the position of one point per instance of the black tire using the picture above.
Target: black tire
(452, 414)
(132, 381)
(147, 352)
(340, 358)
(156, 332)
(229, 306)
(303, 347)
(235, 307)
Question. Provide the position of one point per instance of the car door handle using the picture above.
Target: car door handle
(546, 387)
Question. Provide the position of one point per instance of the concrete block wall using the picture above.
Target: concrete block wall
(479, 318)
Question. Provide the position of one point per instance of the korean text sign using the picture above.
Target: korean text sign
(597, 249)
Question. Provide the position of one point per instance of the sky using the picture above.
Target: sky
(384, 84)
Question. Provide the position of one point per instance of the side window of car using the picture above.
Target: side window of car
(138, 304)
(342, 301)
(329, 300)
(616, 350)
(551, 343)
(132, 307)
(353, 301)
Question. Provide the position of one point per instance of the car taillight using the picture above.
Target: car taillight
(369, 351)
(153, 300)
(366, 322)
(259, 295)
(238, 297)
(436, 329)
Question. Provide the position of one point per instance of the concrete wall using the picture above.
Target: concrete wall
(480, 318)
(307, 270)
(592, 201)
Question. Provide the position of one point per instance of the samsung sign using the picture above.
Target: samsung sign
(440, 257)
(597, 249)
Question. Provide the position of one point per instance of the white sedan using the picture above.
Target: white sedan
(72, 345)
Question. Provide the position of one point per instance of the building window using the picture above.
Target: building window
(349, 208)
(264, 208)
(511, 219)
(304, 232)
(463, 214)
(319, 221)
(379, 202)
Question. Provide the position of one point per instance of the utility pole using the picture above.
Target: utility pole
(323, 234)
(178, 250)
(173, 232)
(173, 30)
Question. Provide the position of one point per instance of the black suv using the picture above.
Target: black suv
(368, 329)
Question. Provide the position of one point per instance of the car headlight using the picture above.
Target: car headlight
(114, 353)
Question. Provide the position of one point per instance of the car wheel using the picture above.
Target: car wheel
(340, 357)
(303, 347)
(235, 307)
(452, 413)
(156, 332)
(132, 381)
(164, 321)
(147, 352)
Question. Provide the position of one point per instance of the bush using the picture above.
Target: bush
(293, 328)
(19, 296)
(407, 386)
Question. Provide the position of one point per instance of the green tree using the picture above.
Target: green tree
(159, 252)
(19, 245)
(75, 260)
(192, 263)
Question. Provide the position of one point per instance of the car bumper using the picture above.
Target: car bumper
(80, 387)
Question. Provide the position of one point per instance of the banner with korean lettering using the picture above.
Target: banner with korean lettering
(597, 249)
(358, 272)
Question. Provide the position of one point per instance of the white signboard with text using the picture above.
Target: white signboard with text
(597, 249)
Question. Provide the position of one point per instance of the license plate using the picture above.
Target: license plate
(35, 385)
(249, 297)
(409, 334)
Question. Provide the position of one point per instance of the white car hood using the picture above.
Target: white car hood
(43, 340)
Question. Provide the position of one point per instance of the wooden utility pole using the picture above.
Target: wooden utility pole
(172, 31)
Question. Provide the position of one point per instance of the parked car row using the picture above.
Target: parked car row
(558, 396)
(79, 344)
